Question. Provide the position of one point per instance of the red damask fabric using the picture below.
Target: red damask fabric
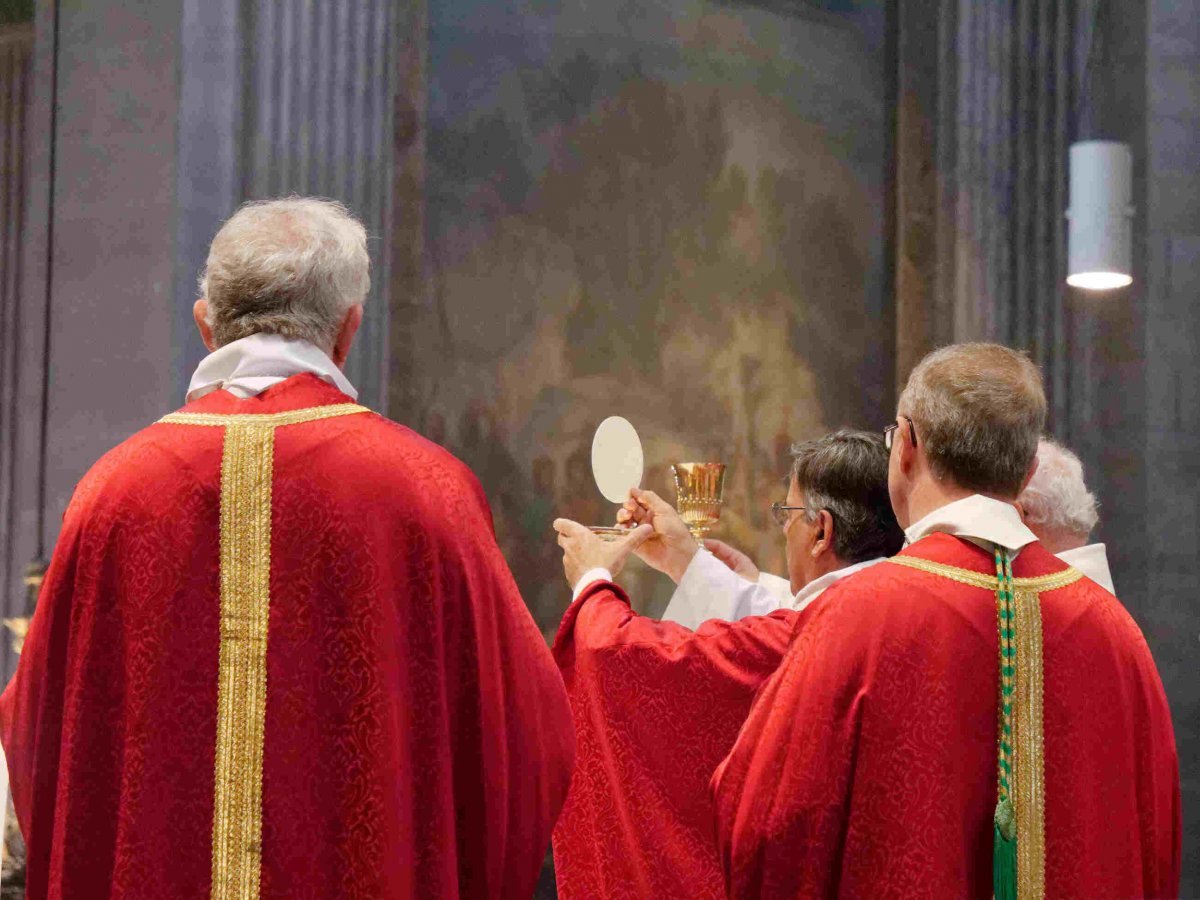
(867, 766)
(656, 707)
(418, 739)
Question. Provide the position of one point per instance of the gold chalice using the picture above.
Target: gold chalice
(698, 489)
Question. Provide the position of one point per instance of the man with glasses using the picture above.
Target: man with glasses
(836, 520)
(970, 718)
(658, 705)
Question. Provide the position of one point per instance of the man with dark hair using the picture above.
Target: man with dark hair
(657, 705)
(837, 519)
(970, 718)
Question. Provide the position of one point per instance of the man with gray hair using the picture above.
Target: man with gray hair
(1061, 511)
(278, 650)
(971, 718)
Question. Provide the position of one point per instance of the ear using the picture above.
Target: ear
(345, 335)
(823, 540)
(907, 451)
(200, 314)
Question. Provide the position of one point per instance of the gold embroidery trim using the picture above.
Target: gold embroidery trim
(1038, 584)
(246, 475)
(1027, 782)
(290, 417)
(247, 468)
(1029, 789)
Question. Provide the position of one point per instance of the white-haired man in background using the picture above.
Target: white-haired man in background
(278, 651)
(1061, 511)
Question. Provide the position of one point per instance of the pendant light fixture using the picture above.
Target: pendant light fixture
(1100, 217)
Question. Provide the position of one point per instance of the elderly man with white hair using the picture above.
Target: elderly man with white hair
(278, 651)
(1061, 511)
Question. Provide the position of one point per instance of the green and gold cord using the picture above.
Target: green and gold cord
(1004, 838)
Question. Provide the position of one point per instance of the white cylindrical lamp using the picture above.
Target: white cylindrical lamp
(1100, 217)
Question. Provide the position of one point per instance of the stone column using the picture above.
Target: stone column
(281, 97)
(408, 269)
(16, 77)
(1170, 530)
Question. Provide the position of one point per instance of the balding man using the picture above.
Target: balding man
(1061, 511)
(278, 651)
(970, 718)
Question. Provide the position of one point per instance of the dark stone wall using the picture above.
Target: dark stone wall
(1170, 533)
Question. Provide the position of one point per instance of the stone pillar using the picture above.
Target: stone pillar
(983, 128)
(93, 304)
(406, 250)
(289, 97)
(16, 71)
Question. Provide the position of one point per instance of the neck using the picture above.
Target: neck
(928, 494)
(1060, 542)
(826, 564)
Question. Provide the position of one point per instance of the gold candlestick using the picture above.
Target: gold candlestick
(698, 491)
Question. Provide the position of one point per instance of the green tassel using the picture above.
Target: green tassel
(1004, 853)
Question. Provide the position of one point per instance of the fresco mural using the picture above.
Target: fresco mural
(669, 211)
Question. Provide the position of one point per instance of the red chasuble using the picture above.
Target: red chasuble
(656, 706)
(278, 652)
(867, 767)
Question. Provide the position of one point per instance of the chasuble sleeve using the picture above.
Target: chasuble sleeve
(656, 707)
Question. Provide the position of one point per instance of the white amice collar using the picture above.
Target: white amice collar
(977, 518)
(249, 366)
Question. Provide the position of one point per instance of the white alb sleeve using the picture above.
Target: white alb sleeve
(597, 574)
(780, 588)
(709, 589)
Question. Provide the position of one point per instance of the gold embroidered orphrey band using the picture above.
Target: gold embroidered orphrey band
(986, 581)
(1028, 788)
(247, 465)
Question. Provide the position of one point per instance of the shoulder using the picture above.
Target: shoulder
(892, 601)
(150, 462)
(372, 453)
(390, 442)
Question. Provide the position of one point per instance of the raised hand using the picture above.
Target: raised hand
(583, 551)
(732, 557)
(672, 547)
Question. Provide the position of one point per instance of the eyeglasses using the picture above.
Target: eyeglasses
(783, 514)
(889, 433)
